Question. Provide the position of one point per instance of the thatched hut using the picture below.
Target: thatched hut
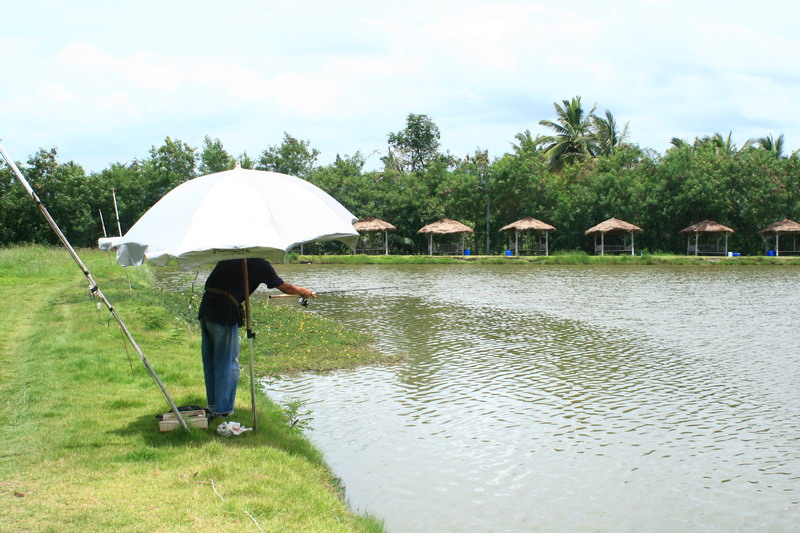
(453, 242)
(710, 237)
(374, 235)
(786, 228)
(619, 230)
(532, 229)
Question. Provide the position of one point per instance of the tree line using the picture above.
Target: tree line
(582, 173)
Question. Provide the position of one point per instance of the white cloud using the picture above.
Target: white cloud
(344, 76)
(56, 93)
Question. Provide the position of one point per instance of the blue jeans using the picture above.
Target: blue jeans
(220, 349)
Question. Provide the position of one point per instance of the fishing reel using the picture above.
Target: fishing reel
(302, 301)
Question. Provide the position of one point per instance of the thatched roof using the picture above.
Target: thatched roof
(446, 226)
(367, 224)
(784, 226)
(527, 224)
(707, 226)
(613, 225)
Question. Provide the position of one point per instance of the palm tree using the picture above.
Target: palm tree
(573, 139)
(526, 143)
(607, 137)
(717, 142)
(677, 142)
(769, 144)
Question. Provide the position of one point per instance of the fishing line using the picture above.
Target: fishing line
(304, 301)
(98, 306)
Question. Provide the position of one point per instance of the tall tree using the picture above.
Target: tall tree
(214, 158)
(169, 165)
(246, 161)
(66, 192)
(133, 189)
(292, 156)
(479, 165)
(573, 139)
(413, 148)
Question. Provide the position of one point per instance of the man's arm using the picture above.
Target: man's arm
(288, 288)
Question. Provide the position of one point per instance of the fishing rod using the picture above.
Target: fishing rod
(94, 290)
(304, 301)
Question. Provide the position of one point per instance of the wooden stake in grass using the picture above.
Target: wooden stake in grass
(250, 337)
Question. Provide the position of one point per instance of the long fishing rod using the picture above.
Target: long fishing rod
(304, 301)
(94, 290)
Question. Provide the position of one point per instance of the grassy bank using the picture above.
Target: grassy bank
(569, 258)
(81, 448)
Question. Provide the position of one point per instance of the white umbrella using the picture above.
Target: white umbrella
(107, 243)
(235, 214)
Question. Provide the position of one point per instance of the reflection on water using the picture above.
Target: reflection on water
(565, 398)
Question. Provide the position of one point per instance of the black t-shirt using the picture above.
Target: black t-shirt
(227, 276)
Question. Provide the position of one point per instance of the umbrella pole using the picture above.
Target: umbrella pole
(93, 288)
(250, 337)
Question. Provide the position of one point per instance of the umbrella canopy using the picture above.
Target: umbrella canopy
(528, 224)
(784, 226)
(613, 225)
(367, 224)
(108, 243)
(235, 214)
(445, 226)
(707, 226)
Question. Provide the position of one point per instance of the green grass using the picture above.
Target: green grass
(559, 258)
(292, 341)
(81, 447)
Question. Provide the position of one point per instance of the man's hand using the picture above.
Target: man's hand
(288, 288)
(306, 293)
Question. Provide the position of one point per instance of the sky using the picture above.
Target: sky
(103, 82)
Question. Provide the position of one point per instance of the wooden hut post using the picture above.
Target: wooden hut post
(430, 243)
(632, 244)
(546, 243)
(696, 242)
(726, 244)
(386, 241)
(602, 243)
(777, 244)
(516, 241)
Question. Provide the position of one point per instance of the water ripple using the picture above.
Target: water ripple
(658, 400)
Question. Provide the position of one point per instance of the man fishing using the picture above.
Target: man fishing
(220, 316)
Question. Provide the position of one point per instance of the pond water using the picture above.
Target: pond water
(561, 399)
